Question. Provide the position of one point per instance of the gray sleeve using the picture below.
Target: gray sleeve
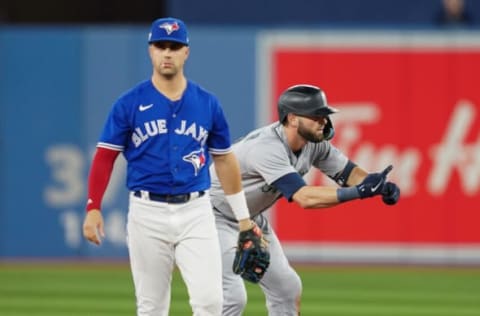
(330, 160)
(271, 161)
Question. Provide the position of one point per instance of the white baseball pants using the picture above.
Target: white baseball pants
(160, 235)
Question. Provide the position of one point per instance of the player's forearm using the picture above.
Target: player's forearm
(356, 176)
(316, 197)
(228, 172)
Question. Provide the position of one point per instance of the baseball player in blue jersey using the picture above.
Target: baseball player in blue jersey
(273, 161)
(167, 127)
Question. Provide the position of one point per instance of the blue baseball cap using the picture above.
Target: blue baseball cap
(168, 29)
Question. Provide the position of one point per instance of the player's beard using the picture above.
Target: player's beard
(308, 135)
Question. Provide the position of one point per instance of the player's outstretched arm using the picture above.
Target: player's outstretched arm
(316, 196)
(361, 185)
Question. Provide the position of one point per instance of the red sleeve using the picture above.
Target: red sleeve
(100, 172)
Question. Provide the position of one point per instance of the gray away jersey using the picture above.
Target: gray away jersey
(265, 157)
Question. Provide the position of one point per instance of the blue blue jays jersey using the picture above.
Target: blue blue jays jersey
(167, 143)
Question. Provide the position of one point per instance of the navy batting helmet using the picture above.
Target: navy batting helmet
(307, 100)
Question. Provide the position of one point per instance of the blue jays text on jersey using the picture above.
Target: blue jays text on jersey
(166, 143)
(155, 127)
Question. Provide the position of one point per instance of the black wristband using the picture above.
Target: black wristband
(347, 194)
(342, 177)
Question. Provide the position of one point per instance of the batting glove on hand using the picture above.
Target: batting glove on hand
(390, 193)
(252, 257)
(373, 184)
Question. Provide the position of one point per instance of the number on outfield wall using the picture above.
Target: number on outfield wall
(115, 228)
(68, 172)
(72, 226)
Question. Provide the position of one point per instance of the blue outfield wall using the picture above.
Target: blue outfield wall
(56, 88)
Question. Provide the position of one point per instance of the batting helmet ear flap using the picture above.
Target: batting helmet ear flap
(328, 130)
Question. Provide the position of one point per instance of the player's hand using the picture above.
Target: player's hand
(252, 257)
(93, 229)
(373, 183)
(390, 193)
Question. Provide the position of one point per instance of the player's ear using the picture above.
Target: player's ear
(292, 119)
(150, 49)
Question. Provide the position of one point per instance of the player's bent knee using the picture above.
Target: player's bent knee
(293, 290)
(291, 286)
(286, 298)
(234, 302)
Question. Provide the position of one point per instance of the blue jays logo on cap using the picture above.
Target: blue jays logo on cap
(168, 29)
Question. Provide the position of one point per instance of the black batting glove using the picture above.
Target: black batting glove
(373, 184)
(390, 193)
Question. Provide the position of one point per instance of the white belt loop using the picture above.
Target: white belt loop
(194, 195)
(144, 195)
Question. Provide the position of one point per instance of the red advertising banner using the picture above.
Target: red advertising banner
(412, 103)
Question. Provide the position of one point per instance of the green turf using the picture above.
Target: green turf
(101, 290)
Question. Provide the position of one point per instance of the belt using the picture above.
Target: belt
(169, 198)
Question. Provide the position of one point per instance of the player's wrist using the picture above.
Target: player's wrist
(91, 206)
(238, 204)
(348, 194)
(245, 224)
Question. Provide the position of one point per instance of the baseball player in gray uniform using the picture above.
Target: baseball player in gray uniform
(273, 159)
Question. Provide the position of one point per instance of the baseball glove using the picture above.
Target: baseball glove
(251, 257)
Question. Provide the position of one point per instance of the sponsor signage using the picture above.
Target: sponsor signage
(410, 99)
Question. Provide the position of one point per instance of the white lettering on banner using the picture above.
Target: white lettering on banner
(71, 223)
(454, 154)
(349, 134)
(353, 115)
(405, 163)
